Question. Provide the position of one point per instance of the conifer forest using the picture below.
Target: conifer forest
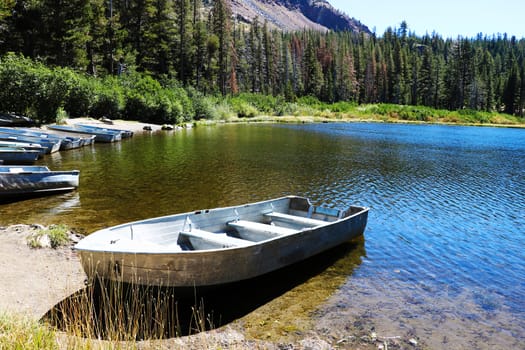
(198, 47)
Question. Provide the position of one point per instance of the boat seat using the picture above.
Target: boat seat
(294, 219)
(269, 230)
(210, 240)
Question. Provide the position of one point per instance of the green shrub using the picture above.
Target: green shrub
(58, 236)
(242, 108)
(108, 99)
(203, 106)
(20, 84)
(61, 117)
(342, 107)
(223, 111)
(286, 108)
(54, 89)
(81, 97)
(149, 102)
(266, 104)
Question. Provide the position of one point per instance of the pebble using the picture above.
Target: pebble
(412, 341)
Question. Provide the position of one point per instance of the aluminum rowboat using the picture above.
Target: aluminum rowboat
(218, 246)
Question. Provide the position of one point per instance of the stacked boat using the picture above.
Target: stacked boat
(26, 145)
(22, 147)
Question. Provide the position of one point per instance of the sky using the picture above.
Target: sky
(448, 18)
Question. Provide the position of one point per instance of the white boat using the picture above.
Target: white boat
(21, 181)
(218, 246)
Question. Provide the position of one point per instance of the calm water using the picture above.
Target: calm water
(443, 258)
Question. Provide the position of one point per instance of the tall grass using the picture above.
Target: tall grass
(23, 333)
(109, 315)
(116, 311)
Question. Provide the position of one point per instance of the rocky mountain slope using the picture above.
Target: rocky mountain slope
(296, 14)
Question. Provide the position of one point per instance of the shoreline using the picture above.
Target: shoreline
(29, 291)
(138, 127)
(321, 120)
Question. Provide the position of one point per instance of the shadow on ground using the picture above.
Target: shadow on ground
(118, 311)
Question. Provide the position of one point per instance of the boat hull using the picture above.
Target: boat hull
(18, 155)
(25, 145)
(139, 261)
(22, 181)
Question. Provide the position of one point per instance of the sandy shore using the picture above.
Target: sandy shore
(35, 279)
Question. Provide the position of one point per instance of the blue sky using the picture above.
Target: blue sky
(449, 18)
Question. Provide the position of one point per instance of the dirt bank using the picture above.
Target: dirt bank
(35, 279)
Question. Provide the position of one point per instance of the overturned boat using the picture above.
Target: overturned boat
(218, 246)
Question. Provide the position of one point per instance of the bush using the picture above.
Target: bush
(286, 108)
(30, 88)
(223, 111)
(81, 98)
(108, 99)
(149, 102)
(204, 107)
(266, 104)
(342, 107)
(54, 88)
(242, 108)
(21, 84)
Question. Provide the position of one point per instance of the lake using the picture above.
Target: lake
(442, 259)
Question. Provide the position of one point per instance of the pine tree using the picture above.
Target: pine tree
(221, 27)
(255, 57)
(313, 75)
(95, 44)
(185, 16)
(64, 32)
(6, 13)
(511, 93)
(426, 83)
(200, 45)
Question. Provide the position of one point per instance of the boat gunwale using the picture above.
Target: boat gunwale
(253, 244)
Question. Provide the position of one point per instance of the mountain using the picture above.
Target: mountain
(296, 15)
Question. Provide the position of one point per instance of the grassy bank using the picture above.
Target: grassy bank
(243, 108)
(23, 333)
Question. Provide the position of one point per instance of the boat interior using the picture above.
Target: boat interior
(233, 227)
(242, 233)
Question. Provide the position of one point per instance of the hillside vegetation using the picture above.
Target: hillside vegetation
(34, 89)
(172, 61)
